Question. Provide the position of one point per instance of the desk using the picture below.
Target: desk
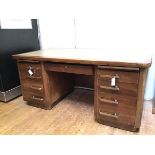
(119, 81)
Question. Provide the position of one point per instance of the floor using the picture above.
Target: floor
(73, 115)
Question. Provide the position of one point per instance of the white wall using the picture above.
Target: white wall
(120, 25)
(56, 33)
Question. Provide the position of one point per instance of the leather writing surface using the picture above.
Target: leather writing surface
(91, 56)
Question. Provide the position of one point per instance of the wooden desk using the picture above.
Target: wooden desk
(119, 81)
(153, 104)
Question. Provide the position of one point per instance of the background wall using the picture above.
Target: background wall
(117, 25)
(57, 33)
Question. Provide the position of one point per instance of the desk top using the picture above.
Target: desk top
(90, 56)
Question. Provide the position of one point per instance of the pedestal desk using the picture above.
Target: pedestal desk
(119, 81)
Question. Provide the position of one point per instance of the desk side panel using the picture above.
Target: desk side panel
(140, 98)
(56, 86)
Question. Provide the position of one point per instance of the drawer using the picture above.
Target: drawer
(116, 81)
(32, 97)
(113, 103)
(33, 88)
(116, 109)
(116, 118)
(31, 81)
(29, 70)
(123, 89)
(120, 76)
(69, 68)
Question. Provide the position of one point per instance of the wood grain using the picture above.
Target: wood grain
(61, 84)
(140, 97)
(70, 68)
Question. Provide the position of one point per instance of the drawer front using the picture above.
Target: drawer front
(32, 97)
(33, 88)
(126, 89)
(70, 68)
(30, 70)
(116, 118)
(116, 109)
(121, 76)
(117, 104)
(118, 82)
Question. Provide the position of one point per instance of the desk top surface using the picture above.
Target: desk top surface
(90, 56)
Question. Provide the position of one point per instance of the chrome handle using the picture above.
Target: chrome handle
(37, 98)
(110, 76)
(36, 88)
(115, 115)
(109, 101)
(34, 77)
(109, 88)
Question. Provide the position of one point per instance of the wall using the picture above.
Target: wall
(57, 33)
(118, 25)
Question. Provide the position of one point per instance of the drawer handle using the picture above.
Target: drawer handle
(34, 77)
(109, 101)
(110, 76)
(115, 115)
(37, 98)
(36, 88)
(109, 88)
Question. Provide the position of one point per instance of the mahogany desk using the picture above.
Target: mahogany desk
(119, 81)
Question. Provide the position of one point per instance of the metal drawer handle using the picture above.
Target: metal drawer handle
(109, 88)
(110, 76)
(37, 98)
(34, 77)
(36, 88)
(109, 101)
(115, 115)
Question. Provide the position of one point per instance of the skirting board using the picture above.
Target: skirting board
(10, 94)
